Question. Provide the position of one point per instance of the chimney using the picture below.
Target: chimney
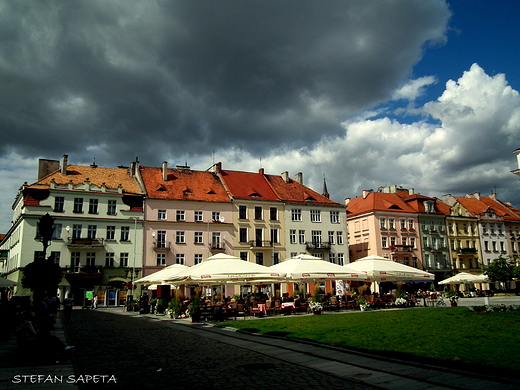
(299, 177)
(411, 191)
(165, 171)
(347, 201)
(493, 196)
(261, 171)
(64, 163)
(46, 167)
(365, 193)
(285, 176)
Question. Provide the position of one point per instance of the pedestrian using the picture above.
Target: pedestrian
(67, 308)
(94, 302)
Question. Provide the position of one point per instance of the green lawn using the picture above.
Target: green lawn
(450, 334)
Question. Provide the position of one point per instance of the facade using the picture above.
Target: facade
(382, 224)
(188, 217)
(98, 223)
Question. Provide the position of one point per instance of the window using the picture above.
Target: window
(91, 259)
(111, 207)
(243, 256)
(382, 223)
(292, 236)
(316, 237)
(423, 226)
(260, 258)
(161, 215)
(78, 205)
(331, 237)
(384, 242)
(76, 231)
(198, 238)
(339, 236)
(180, 216)
(274, 236)
(109, 259)
(242, 212)
(332, 257)
(59, 204)
(39, 255)
(198, 216)
(111, 233)
(296, 214)
(55, 257)
(404, 241)
(161, 239)
(215, 216)
(276, 258)
(258, 212)
(301, 236)
(198, 259)
(215, 240)
(91, 231)
(410, 224)
(425, 242)
(125, 233)
(391, 223)
(56, 234)
(502, 248)
(412, 242)
(74, 261)
(334, 217)
(179, 258)
(273, 214)
(392, 241)
(403, 223)
(123, 259)
(161, 258)
(243, 235)
(494, 246)
(92, 206)
(315, 216)
(341, 259)
(179, 238)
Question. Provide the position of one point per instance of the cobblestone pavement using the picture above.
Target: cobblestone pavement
(148, 354)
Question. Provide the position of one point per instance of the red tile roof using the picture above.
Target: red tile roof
(183, 184)
(294, 192)
(248, 185)
(477, 207)
(77, 174)
(378, 201)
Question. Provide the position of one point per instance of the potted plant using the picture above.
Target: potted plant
(194, 306)
(362, 302)
(453, 297)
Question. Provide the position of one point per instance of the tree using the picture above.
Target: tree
(502, 269)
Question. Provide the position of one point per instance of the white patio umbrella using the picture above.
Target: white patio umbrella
(7, 283)
(160, 276)
(465, 277)
(380, 269)
(225, 269)
(309, 269)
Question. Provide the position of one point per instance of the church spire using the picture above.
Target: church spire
(325, 191)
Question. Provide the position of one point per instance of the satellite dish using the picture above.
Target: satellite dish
(222, 219)
(67, 228)
(153, 234)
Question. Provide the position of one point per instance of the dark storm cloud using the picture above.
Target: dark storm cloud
(124, 78)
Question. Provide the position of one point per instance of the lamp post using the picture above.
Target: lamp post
(131, 296)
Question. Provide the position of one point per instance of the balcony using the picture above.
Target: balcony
(401, 248)
(317, 245)
(161, 246)
(256, 244)
(217, 248)
(85, 243)
(467, 251)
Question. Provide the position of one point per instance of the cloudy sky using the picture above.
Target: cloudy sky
(416, 93)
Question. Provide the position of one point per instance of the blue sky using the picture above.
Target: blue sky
(358, 92)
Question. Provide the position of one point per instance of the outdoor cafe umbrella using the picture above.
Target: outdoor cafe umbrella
(225, 269)
(162, 275)
(380, 269)
(7, 283)
(308, 269)
(465, 277)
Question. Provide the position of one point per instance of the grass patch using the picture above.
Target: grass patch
(454, 334)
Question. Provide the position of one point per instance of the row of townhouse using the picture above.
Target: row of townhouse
(453, 235)
(114, 225)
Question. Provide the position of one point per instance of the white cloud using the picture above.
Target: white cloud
(414, 88)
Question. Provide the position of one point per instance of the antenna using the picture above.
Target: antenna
(213, 156)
